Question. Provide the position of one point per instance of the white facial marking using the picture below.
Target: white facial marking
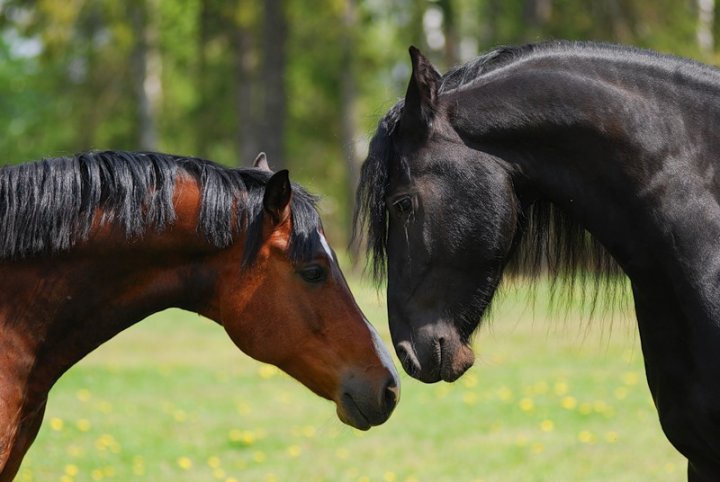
(380, 349)
(325, 245)
(382, 352)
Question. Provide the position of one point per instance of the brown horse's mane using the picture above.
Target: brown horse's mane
(48, 206)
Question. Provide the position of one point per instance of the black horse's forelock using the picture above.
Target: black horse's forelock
(370, 216)
(50, 205)
(548, 242)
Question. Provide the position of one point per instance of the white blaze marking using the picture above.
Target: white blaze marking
(380, 349)
(325, 245)
(382, 352)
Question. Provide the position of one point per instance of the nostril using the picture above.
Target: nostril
(439, 345)
(402, 352)
(407, 358)
(391, 396)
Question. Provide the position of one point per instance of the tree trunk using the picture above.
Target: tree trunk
(706, 18)
(246, 141)
(450, 31)
(490, 17)
(146, 78)
(417, 33)
(536, 14)
(201, 140)
(348, 95)
(275, 32)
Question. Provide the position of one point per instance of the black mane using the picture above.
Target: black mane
(548, 241)
(500, 57)
(50, 205)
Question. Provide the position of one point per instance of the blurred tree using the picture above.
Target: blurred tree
(706, 17)
(450, 32)
(245, 60)
(305, 82)
(348, 98)
(274, 93)
(536, 14)
(146, 80)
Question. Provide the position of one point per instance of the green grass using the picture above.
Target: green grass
(172, 400)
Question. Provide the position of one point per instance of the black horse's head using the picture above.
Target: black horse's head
(443, 215)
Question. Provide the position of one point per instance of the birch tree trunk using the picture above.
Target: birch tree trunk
(706, 18)
(146, 75)
(451, 51)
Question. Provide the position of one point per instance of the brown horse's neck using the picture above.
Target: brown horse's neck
(56, 309)
(63, 306)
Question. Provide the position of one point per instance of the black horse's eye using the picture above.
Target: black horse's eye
(313, 273)
(403, 205)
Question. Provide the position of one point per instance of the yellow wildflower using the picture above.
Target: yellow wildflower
(56, 424)
(527, 405)
(547, 425)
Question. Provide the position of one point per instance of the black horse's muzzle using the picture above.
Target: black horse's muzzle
(433, 352)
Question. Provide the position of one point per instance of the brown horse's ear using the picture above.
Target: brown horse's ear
(276, 200)
(421, 96)
(261, 162)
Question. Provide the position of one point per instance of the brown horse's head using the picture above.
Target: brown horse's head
(283, 300)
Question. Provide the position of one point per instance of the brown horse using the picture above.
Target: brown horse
(91, 244)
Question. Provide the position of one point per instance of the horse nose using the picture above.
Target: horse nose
(391, 395)
(365, 403)
(408, 358)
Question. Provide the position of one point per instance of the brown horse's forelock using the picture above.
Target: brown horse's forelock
(49, 205)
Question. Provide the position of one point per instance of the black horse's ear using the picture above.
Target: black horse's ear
(261, 162)
(276, 200)
(421, 96)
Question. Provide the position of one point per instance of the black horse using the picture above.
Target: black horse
(560, 158)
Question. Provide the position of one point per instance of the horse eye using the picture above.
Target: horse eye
(313, 273)
(403, 206)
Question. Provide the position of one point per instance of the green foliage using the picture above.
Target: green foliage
(79, 91)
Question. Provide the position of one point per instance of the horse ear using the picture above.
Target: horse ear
(421, 96)
(261, 162)
(276, 200)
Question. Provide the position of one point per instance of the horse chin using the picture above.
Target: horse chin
(364, 402)
(454, 366)
(349, 414)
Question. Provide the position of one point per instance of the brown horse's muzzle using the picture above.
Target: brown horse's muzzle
(364, 403)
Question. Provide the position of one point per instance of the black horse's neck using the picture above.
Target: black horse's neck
(608, 141)
(626, 146)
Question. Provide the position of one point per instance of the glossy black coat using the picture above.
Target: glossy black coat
(509, 159)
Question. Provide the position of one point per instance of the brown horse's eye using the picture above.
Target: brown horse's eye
(313, 273)
(403, 205)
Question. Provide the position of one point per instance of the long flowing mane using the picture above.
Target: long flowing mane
(548, 241)
(50, 205)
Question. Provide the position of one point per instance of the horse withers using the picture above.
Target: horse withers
(560, 158)
(91, 244)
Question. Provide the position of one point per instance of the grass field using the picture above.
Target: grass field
(551, 398)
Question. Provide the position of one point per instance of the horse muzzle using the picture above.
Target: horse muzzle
(435, 353)
(363, 403)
